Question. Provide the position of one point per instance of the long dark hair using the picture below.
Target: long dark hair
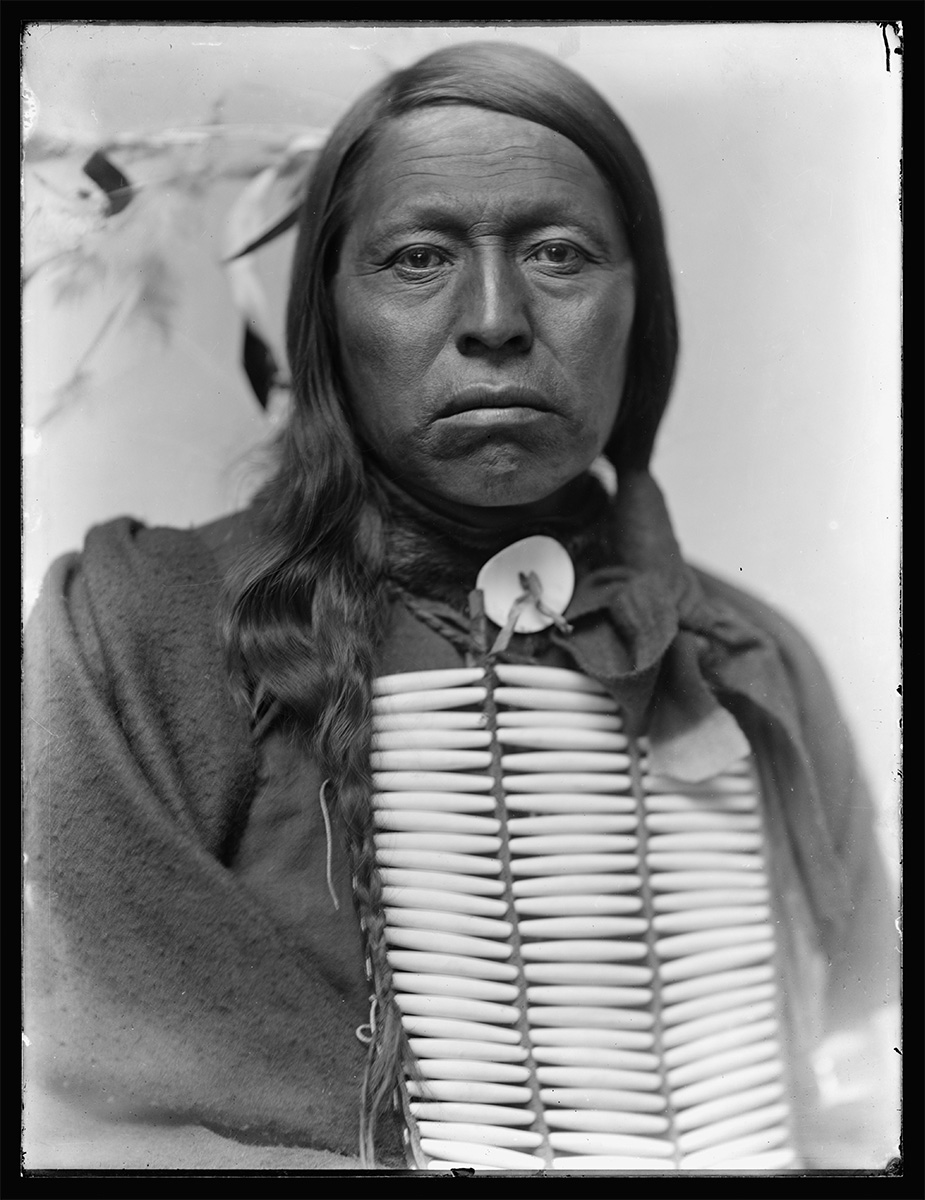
(306, 613)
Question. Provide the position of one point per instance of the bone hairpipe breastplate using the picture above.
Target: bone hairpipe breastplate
(582, 953)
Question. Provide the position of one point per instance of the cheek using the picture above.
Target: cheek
(597, 349)
(600, 356)
(373, 366)
(596, 332)
(361, 339)
(380, 350)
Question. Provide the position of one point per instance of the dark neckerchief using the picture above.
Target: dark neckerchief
(438, 558)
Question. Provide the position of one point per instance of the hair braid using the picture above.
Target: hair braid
(387, 1047)
(311, 670)
(342, 746)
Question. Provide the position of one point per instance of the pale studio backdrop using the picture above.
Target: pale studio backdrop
(775, 148)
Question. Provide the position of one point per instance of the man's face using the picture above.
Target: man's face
(484, 299)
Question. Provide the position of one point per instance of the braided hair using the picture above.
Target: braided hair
(305, 614)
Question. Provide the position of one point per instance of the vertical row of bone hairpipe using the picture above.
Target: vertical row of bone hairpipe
(645, 937)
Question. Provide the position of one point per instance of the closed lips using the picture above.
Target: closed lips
(478, 398)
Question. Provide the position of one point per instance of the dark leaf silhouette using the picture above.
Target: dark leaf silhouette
(268, 235)
(109, 179)
(259, 365)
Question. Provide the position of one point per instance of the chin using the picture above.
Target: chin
(515, 489)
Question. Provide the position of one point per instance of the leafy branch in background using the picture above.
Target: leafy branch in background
(105, 219)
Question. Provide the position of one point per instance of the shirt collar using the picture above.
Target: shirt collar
(646, 629)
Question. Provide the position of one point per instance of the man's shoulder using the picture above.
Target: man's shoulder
(128, 554)
(132, 582)
(129, 535)
(797, 654)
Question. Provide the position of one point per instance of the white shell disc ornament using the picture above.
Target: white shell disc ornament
(500, 582)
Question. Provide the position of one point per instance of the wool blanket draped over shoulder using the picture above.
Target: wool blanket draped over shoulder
(194, 966)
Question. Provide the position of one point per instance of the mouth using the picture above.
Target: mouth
(487, 399)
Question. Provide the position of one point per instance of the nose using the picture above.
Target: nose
(494, 317)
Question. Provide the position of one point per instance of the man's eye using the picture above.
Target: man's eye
(419, 259)
(559, 254)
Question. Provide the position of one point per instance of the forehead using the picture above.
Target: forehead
(459, 156)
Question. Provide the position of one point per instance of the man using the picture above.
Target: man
(481, 307)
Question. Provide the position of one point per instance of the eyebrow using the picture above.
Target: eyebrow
(430, 215)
